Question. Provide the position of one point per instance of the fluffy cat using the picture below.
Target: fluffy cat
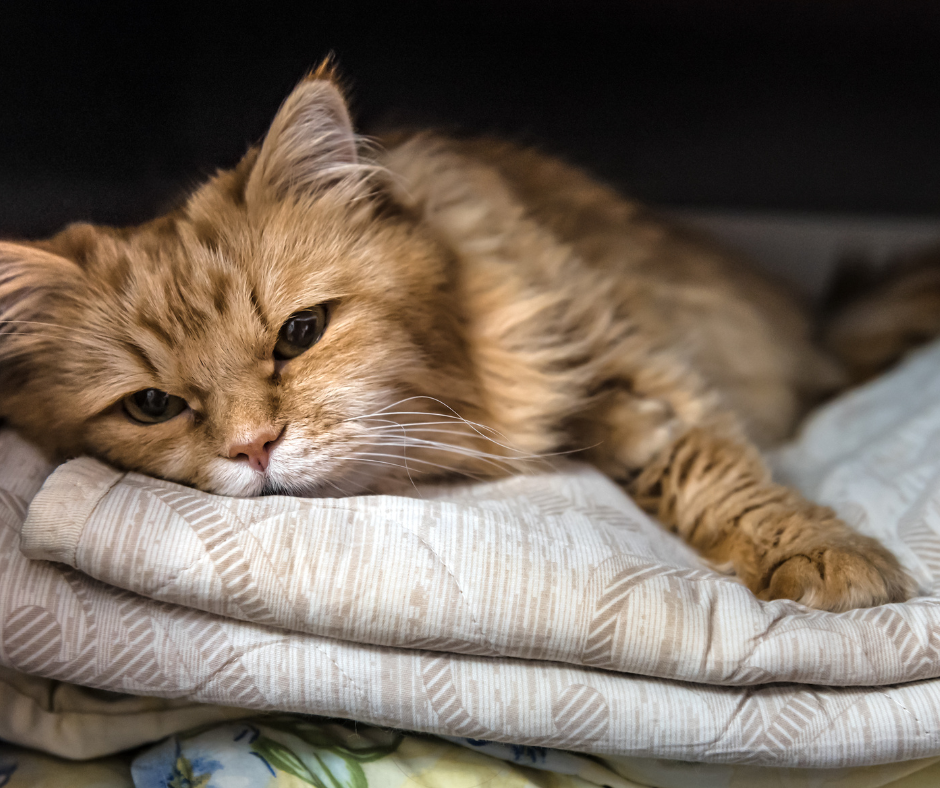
(330, 319)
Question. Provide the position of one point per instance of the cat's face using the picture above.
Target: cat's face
(271, 335)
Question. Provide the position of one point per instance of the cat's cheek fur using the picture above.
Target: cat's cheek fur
(170, 449)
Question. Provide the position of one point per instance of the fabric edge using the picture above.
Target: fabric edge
(76, 735)
(58, 514)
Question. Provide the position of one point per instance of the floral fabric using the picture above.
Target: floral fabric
(290, 751)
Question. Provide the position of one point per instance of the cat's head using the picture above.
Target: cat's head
(272, 334)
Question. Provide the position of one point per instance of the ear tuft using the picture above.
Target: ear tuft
(327, 71)
(310, 145)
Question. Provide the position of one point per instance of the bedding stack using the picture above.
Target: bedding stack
(544, 610)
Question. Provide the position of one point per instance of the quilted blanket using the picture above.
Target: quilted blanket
(543, 609)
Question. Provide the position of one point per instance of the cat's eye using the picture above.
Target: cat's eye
(151, 406)
(300, 331)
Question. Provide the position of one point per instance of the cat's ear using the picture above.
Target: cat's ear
(310, 145)
(31, 278)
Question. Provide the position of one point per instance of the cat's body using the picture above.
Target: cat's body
(485, 305)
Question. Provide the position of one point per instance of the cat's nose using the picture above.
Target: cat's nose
(256, 449)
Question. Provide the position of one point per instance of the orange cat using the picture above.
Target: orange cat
(328, 319)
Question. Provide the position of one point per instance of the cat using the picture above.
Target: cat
(331, 317)
(876, 316)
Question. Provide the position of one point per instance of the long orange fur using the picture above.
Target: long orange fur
(488, 305)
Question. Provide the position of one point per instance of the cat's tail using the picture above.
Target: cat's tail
(873, 318)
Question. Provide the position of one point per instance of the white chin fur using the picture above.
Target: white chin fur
(230, 477)
(287, 474)
(303, 476)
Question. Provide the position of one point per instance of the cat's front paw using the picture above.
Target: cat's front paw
(859, 572)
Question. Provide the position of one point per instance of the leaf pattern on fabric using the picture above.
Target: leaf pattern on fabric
(184, 777)
(260, 751)
(346, 745)
(283, 758)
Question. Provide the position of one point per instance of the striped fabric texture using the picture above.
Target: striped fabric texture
(541, 609)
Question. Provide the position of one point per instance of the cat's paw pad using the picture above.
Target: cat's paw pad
(861, 574)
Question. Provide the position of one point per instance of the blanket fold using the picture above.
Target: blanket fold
(542, 610)
(559, 567)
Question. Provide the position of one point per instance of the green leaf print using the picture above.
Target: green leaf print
(355, 777)
(331, 756)
(283, 758)
(338, 740)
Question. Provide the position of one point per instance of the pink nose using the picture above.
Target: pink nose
(257, 448)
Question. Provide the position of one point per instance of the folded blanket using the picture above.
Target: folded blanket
(543, 609)
(560, 567)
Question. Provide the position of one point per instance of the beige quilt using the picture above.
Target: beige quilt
(543, 609)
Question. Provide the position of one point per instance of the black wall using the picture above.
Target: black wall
(109, 112)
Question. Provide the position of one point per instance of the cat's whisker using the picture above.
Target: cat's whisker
(335, 486)
(415, 433)
(380, 462)
(414, 439)
(388, 426)
(423, 443)
(419, 396)
(386, 412)
(425, 413)
(426, 426)
(363, 457)
(476, 427)
(395, 404)
(518, 456)
(413, 424)
(362, 487)
(459, 429)
(469, 450)
(353, 470)
(502, 467)
(393, 425)
(540, 456)
(446, 407)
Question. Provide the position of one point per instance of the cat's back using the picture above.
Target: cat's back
(606, 229)
(747, 334)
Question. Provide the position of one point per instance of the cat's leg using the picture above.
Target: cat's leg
(716, 492)
(688, 462)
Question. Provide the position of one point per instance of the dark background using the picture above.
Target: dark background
(109, 112)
